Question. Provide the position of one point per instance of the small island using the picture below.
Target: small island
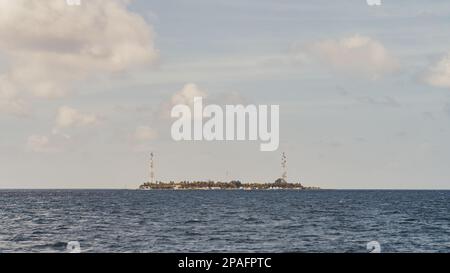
(279, 184)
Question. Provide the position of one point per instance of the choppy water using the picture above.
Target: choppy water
(225, 221)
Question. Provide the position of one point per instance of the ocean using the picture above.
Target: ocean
(224, 221)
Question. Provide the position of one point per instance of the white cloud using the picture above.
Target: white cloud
(185, 96)
(57, 140)
(50, 46)
(439, 74)
(37, 143)
(144, 133)
(40, 144)
(191, 90)
(355, 54)
(70, 117)
(51, 143)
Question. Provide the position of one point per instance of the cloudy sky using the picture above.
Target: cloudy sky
(85, 91)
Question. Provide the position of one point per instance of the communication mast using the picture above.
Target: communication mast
(284, 166)
(152, 169)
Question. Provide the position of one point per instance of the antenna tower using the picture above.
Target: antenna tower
(284, 166)
(152, 169)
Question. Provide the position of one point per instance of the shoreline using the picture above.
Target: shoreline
(242, 189)
(279, 184)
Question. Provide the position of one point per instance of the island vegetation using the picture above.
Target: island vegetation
(279, 184)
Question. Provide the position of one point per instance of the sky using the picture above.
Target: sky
(86, 91)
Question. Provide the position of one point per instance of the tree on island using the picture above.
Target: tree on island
(236, 184)
(280, 181)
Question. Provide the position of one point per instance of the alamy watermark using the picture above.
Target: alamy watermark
(231, 123)
(373, 247)
(73, 247)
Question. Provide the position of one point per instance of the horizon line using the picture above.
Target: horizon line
(321, 189)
